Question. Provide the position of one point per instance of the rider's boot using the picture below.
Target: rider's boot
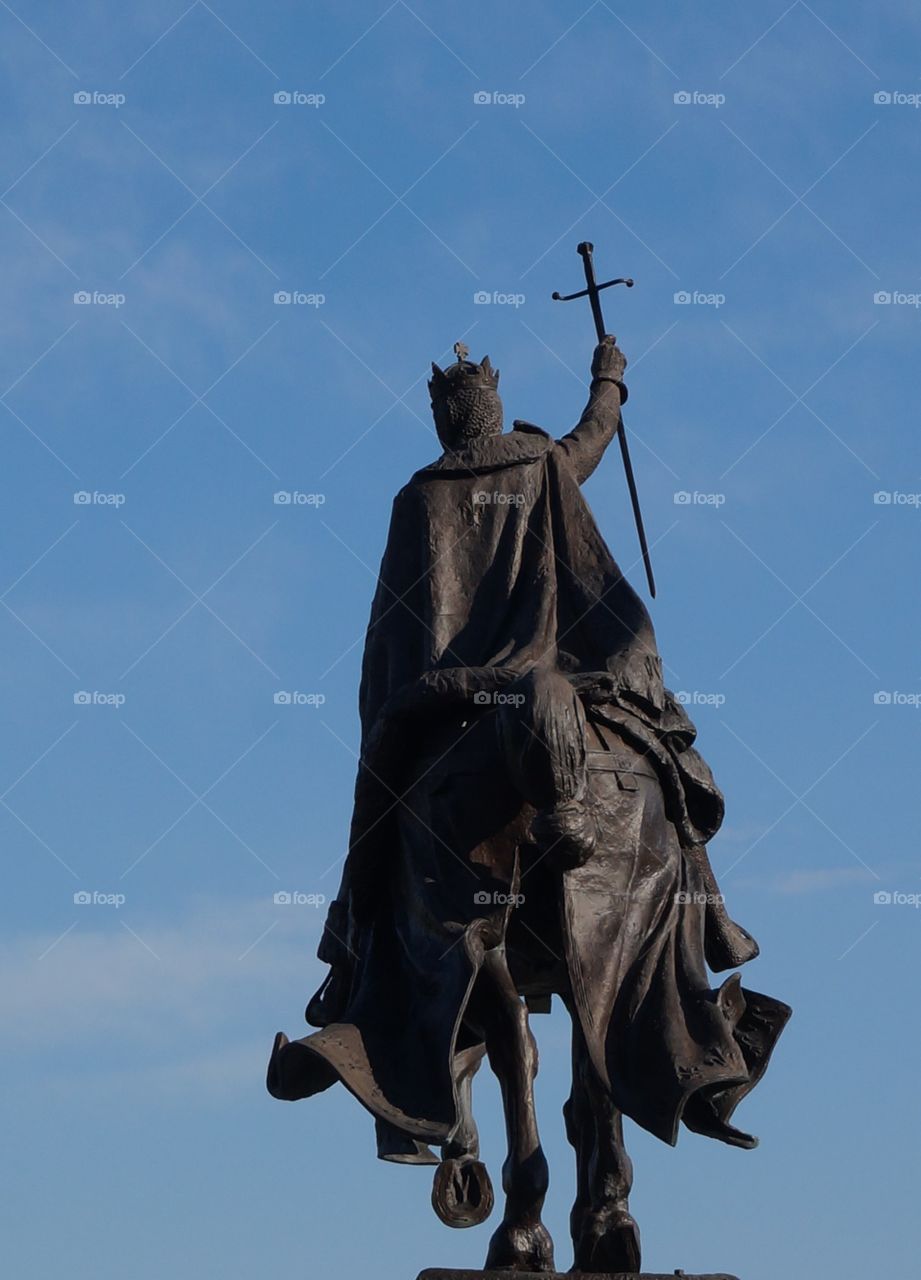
(566, 833)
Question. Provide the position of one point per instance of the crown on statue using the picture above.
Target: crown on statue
(462, 376)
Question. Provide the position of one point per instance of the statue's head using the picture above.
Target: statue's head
(465, 400)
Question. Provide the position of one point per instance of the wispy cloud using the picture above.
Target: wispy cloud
(120, 989)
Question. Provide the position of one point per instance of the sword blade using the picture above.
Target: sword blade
(635, 501)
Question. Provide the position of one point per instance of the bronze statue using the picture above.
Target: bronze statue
(531, 820)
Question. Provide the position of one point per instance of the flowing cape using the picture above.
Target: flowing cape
(494, 564)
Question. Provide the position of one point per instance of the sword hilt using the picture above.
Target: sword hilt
(592, 288)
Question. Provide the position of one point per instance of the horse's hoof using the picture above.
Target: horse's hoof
(520, 1248)
(606, 1244)
(462, 1194)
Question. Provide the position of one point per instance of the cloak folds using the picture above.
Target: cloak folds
(493, 565)
(493, 559)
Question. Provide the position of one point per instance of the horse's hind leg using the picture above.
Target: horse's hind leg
(609, 1238)
(605, 1236)
(521, 1242)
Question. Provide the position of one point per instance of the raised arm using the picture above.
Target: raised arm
(586, 443)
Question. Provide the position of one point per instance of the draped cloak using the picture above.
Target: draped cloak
(494, 564)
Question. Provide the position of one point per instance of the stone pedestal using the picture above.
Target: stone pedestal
(440, 1273)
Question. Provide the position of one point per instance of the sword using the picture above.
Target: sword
(591, 291)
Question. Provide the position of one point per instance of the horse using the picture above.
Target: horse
(475, 791)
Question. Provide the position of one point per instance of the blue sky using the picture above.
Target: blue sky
(755, 168)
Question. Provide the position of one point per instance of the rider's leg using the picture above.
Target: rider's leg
(542, 734)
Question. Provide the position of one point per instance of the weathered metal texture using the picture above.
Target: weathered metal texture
(531, 820)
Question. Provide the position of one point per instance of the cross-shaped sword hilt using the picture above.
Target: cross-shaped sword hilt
(591, 291)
